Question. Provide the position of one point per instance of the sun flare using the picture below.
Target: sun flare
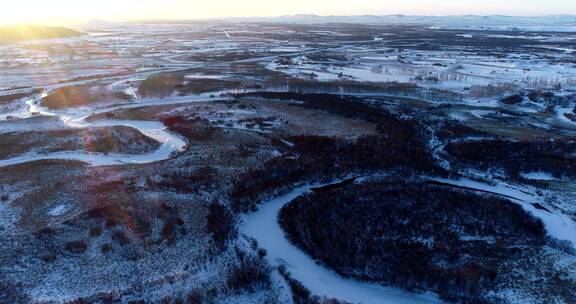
(288, 151)
(64, 12)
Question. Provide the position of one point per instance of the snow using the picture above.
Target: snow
(552, 23)
(171, 143)
(265, 229)
(58, 210)
(286, 49)
(9, 214)
(76, 118)
(481, 113)
(561, 113)
(537, 176)
(200, 76)
(557, 224)
(456, 70)
(289, 144)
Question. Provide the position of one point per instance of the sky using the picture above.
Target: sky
(76, 11)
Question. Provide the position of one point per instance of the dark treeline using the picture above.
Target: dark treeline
(547, 98)
(250, 274)
(11, 292)
(451, 130)
(186, 181)
(5, 99)
(413, 235)
(350, 107)
(301, 294)
(550, 98)
(554, 157)
(221, 224)
(298, 86)
(321, 158)
(399, 147)
(388, 124)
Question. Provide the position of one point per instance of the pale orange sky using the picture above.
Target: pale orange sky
(74, 11)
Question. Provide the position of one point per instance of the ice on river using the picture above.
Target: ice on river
(264, 227)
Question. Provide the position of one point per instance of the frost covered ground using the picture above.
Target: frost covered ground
(264, 228)
(166, 124)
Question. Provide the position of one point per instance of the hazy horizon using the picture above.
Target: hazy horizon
(65, 12)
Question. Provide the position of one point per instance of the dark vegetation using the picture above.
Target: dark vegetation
(194, 129)
(202, 179)
(399, 147)
(221, 224)
(10, 292)
(5, 99)
(512, 100)
(166, 84)
(172, 224)
(118, 139)
(260, 122)
(250, 274)
(547, 98)
(550, 98)
(304, 86)
(116, 214)
(301, 294)
(554, 157)
(223, 56)
(76, 247)
(413, 235)
(451, 129)
(349, 106)
(159, 85)
(200, 85)
(81, 95)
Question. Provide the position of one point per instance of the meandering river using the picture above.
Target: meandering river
(171, 143)
(263, 226)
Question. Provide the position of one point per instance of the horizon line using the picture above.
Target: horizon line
(310, 15)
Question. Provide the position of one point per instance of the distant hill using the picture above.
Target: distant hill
(562, 23)
(550, 23)
(30, 32)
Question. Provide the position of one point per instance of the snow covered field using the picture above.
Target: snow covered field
(230, 104)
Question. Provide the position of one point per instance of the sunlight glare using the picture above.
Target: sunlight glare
(74, 11)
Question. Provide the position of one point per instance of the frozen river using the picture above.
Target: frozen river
(263, 226)
(171, 143)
